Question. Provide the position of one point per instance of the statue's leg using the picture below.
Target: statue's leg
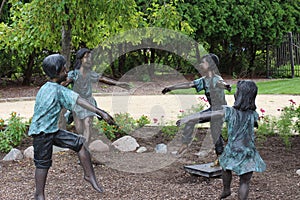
(216, 131)
(244, 185)
(226, 178)
(86, 163)
(40, 182)
(78, 124)
(187, 136)
(88, 123)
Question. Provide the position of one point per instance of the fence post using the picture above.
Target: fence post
(291, 54)
(268, 61)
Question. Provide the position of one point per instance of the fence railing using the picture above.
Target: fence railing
(284, 60)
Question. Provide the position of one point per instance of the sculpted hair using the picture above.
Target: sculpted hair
(79, 55)
(212, 59)
(53, 64)
(245, 95)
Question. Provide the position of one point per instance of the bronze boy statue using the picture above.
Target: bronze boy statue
(51, 98)
(214, 86)
(240, 154)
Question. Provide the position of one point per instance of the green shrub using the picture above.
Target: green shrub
(11, 135)
(169, 131)
(287, 124)
(125, 124)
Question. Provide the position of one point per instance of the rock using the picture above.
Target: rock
(203, 153)
(125, 144)
(57, 149)
(298, 172)
(98, 146)
(14, 154)
(141, 150)
(28, 153)
(161, 148)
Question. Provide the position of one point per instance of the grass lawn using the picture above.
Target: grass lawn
(276, 86)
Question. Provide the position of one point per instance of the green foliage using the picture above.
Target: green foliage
(125, 125)
(142, 121)
(234, 30)
(285, 71)
(266, 127)
(169, 131)
(284, 126)
(12, 134)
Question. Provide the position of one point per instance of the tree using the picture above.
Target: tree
(237, 29)
(59, 26)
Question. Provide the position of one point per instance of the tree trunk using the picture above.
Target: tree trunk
(66, 40)
(2, 4)
(29, 69)
(121, 60)
(112, 62)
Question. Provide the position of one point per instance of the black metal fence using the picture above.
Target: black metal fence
(284, 60)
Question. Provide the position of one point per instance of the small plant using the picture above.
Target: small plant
(13, 134)
(266, 127)
(142, 121)
(284, 126)
(125, 124)
(286, 122)
(1, 124)
(110, 131)
(169, 131)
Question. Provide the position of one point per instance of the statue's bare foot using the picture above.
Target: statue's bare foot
(94, 183)
(216, 163)
(225, 194)
(182, 149)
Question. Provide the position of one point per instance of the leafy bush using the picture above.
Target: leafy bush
(125, 124)
(12, 134)
(169, 131)
(287, 124)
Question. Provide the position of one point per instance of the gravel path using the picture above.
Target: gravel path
(161, 107)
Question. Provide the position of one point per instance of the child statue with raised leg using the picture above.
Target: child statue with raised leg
(213, 86)
(240, 154)
(51, 98)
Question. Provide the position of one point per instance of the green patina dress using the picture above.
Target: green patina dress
(240, 154)
(83, 86)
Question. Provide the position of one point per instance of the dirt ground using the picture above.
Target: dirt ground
(65, 178)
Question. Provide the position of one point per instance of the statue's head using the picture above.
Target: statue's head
(245, 95)
(208, 62)
(213, 61)
(79, 55)
(53, 64)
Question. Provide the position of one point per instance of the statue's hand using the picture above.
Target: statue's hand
(165, 90)
(228, 87)
(109, 119)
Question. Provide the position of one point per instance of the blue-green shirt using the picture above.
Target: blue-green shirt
(50, 99)
(214, 94)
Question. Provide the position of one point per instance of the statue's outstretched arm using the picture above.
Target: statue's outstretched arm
(200, 116)
(184, 85)
(224, 85)
(87, 105)
(110, 81)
